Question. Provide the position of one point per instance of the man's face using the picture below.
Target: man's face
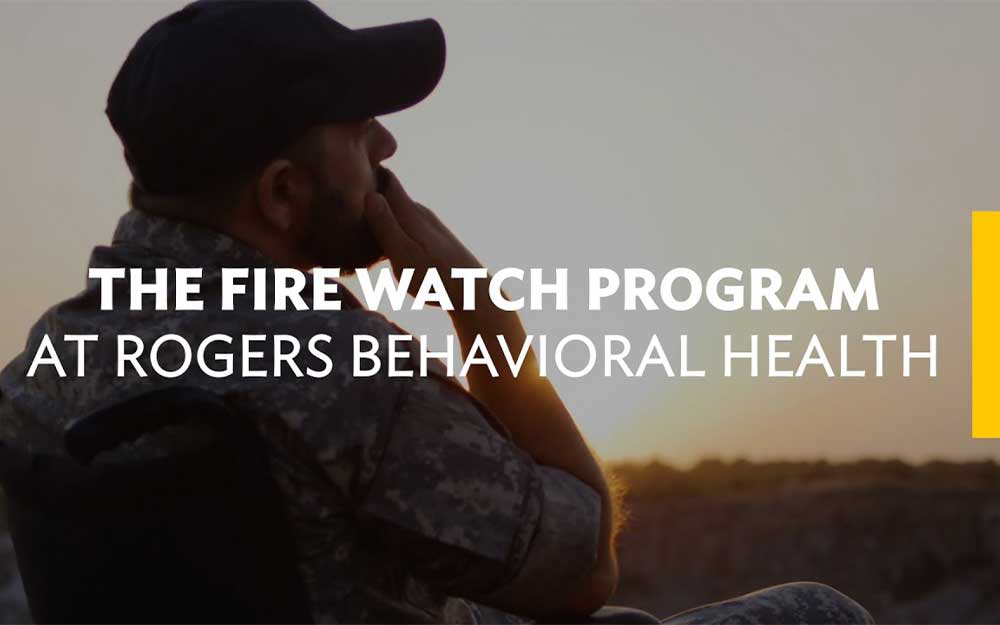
(345, 172)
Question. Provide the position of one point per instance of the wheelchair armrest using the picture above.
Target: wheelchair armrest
(125, 421)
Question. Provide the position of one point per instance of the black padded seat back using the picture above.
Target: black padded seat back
(198, 536)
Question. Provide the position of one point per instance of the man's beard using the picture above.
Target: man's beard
(330, 242)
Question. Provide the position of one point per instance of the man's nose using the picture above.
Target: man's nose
(384, 144)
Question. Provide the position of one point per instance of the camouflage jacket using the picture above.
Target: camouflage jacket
(464, 519)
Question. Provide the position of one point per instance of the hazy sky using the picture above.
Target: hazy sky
(619, 134)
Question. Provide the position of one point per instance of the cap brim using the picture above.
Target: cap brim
(397, 66)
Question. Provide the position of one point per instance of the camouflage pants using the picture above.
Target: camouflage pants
(799, 602)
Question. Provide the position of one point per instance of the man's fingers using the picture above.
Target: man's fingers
(402, 205)
(392, 188)
(390, 235)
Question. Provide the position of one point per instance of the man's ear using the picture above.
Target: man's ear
(279, 193)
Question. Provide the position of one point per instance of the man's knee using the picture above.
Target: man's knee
(797, 603)
(812, 602)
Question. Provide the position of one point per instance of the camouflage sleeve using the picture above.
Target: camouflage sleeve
(473, 514)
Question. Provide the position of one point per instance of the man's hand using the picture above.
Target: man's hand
(411, 235)
(527, 404)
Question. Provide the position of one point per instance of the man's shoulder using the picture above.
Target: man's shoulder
(333, 330)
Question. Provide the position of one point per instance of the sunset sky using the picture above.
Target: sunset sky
(613, 134)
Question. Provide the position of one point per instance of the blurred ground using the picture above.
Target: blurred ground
(914, 544)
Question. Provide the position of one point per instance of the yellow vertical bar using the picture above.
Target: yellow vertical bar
(986, 324)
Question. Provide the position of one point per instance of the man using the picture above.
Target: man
(250, 130)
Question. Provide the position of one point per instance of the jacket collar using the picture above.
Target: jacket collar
(191, 244)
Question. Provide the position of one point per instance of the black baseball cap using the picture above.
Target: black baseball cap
(221, 86)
